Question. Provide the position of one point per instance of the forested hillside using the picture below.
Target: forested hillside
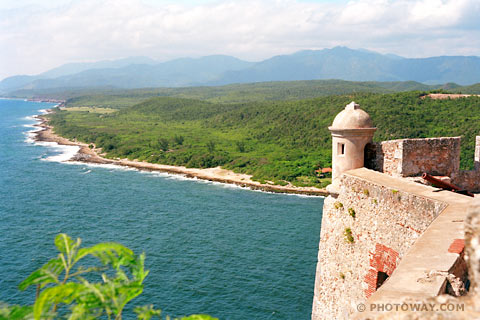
(273, 140)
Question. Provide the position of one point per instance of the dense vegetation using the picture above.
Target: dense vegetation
(71, 286)
(279, 141)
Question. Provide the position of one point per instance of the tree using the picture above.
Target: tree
(61, 282)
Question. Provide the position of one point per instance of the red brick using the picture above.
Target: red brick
(457, 246)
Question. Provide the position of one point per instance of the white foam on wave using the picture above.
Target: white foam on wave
(65, 152)
(30, 118)
(31, 134)
(109, 166)
(176, 176)
(168, 176)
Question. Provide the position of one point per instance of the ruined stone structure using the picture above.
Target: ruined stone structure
(385, 237)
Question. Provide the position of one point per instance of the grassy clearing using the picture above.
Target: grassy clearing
(100, 110)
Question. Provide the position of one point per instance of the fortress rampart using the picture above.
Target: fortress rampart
(384, 221)
(412, 157)
(386, 238)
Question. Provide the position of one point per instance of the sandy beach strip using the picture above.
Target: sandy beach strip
(88, 155)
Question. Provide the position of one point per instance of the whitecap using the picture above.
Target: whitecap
(182, 177)
(111, 166)
(31, 134)
(65, 152)
(168, 175)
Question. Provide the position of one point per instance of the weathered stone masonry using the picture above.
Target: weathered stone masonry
(384, 223)
(412, 157)
(384, 237)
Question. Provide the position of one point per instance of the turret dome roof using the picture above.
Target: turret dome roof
(352, 117)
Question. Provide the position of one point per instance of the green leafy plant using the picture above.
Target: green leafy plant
(163, 144)
(351, 212)
(178, 139)
(366, 192)
(338, 205)
(61, 284)
(61, 280)
(211, 146)
(348, 235)
(240, 146)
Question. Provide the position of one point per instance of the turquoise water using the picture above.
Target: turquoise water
(211, 248)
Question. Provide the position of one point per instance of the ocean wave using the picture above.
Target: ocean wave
(181, 177)
(31, 134)
(109, 166)
(65, 152)
(167, 175)
(30, 118)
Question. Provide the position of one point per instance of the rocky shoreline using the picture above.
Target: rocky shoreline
(89, 155)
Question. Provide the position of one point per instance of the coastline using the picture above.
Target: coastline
(217, 174)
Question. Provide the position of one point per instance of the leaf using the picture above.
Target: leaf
(138, 270)
(81, 312)
(15, 312)
(64, 243)
(48, 273)
(147, 312)
(199, 317)
(107, 253)
(64, 293)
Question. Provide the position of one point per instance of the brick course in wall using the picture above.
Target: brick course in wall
(457, 246)
(384, 259)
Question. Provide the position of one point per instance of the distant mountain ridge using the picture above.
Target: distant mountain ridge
(336, 63)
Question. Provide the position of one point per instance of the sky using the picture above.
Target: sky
(37, 35)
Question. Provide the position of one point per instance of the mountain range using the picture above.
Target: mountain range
(336, 63)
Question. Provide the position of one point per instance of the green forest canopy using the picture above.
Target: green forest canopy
(279, 141)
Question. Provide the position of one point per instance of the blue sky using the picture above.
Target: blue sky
(37, 35)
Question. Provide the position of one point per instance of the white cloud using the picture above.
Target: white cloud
(35, 38)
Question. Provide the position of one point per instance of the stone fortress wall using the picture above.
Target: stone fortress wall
(435, 156)
(348, 269)
(385, 237)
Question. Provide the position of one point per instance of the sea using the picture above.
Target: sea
(211, 248)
